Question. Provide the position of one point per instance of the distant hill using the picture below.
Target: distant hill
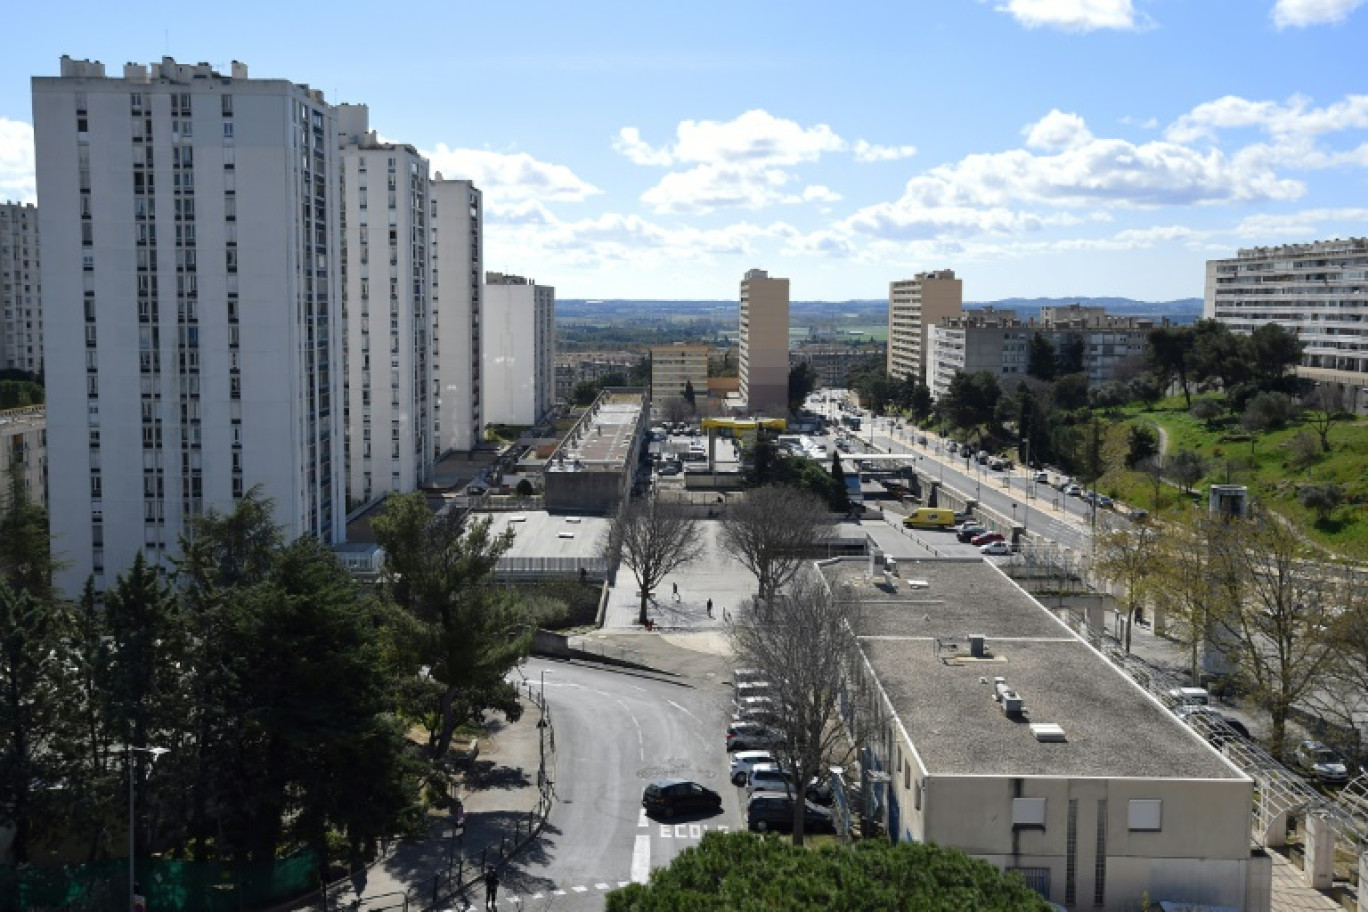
(1184, 310)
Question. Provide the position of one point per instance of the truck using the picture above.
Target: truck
(929, 518)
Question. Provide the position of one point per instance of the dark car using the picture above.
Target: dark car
(667, 797)
(774, 811)
(970, 532)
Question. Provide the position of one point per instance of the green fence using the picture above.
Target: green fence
(170, 886)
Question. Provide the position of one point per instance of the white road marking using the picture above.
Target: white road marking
(602, 886)
(580, 889)
(683, 710)
(641, 859)
(642, 821)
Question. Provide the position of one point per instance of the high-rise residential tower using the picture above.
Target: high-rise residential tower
(675, 368)
(1318, 291)
(192, 302)
(21, 315)
(764, 363)
(518, 348)
(386, 298)
(457, 220)
(913, 305)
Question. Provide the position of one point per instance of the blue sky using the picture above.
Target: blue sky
(658, 150)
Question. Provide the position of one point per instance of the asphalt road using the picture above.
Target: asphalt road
(616, 731)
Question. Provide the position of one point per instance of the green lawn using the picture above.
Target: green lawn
(1269, 464)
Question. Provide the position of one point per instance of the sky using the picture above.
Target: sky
(1040, 148)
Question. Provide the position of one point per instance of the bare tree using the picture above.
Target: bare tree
(655, 539)
(803, 649)
(676, 409)
(1187, 467)
(772, 531)
(1324, 406)
(1184, 579)
(1342, 694)
(1127, 557)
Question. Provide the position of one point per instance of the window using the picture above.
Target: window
(1028, 813)
(1145, 814)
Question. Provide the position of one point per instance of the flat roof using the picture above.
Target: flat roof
(541, 534)
(605, 439)
(944, 698)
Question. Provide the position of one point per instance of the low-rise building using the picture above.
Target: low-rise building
(833, 363)
(23, 454)
(592, 469)
(986, 340)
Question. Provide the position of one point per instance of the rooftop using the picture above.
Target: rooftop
(541, 534)
(917, 640)
(602, 440)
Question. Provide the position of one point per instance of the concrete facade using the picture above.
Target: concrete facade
(592, 469)
(518, 349)
(23, 454)
(1123, 802)
(386, 296)
(192, 305)
(21, 289)
(675, 366)
(833, 363)
(988, 340)
(764, 343)
(457, 219)
(1318, 290)
(915, 305)
(1108, 339)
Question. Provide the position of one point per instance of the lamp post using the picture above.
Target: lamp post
(132, 823)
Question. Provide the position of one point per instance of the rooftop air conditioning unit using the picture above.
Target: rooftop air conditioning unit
(1047, 731)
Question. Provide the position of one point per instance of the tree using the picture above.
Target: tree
(1069, 358)
(1185, 579)
(1207, 410)
(971, 401)
(585, 392)
(1128, 557)
(690, 396)
(1168, 352)
(26, 560)
(466, 632)
(1277, 351)
(772, 531)
(654, 539)
(1040, 357)
(840, 500)
(1267, 412)
(676, 410)
(1220, 357)
(802, 646)
(1069, 392)
(802, 380)
(744, 871)
(1323, 499)
(1186, 467)
(920, 404)
(1142, 443)
(1324, 406)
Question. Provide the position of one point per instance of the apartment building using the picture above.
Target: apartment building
(386, 290)
(1318, 290)
(573, 368)
(1107, 340)
(192, 305)
(518, 349)
(988, 340)
(21, 313)
(764, 343)
(992, 728)
(23, 454)
(674, 367)
(833, 364)
(915, 305)
(457, 224)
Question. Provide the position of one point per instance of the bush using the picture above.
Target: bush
(1268, 412)
(1321, 499)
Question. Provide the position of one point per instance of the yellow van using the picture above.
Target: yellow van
(929, 518)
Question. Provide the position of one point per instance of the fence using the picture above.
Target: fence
(517, 569)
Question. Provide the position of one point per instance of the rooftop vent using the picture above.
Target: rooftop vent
(1047, 731)
(1011, 701)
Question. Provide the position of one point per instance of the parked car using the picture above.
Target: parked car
(1104, 501)
(743, 736)
(968, 530)
(768, 777)
(1213, 726)
(921, 440)
(755, 709)
(1321, 762)
(985, 538)
(1042, 477)
(742, 762)
(952, 447)
(996, 548)
(1073, 490)
(774, 811)
(670, 468)
(667, 797)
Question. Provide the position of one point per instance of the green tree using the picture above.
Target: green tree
(744, 871)
(468, 633)
(1069, 359)
(1322, 499)
(1207, 410)
(971, 401)
(690, 396)
(920, 404)
(1268, 412)
(1128, 557)
(840, 502)
(1069, 392)
(1219, 356)
(1186, 467)
(26, 560)
(1040, 357)
(1168, 353)
(1142, 443)
(802, 380)
(1277, 351)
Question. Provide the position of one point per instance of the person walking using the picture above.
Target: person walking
(491, 882)
(709, 607)
(675, 589)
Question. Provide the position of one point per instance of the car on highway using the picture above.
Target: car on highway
(667, 797)
(996, 548)
(743, 736)
(985, 538)
(774, 811)
(1042, 477)
(1320, 762)
(743, 761)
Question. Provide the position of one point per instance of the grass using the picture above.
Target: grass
(1268, 464)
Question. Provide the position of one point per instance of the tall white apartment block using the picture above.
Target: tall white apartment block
(914, 305)
(1317, 290)
(21, 316)
(388, 320)
(764, 343)
(192, 302)
(457, 219)
(518, 349)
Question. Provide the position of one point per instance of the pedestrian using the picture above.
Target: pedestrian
(675, 587)
(491, 881)
(709, 607)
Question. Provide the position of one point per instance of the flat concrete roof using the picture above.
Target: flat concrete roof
(541, 534)
(605, 442)
(944, 698)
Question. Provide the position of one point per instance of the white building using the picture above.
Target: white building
(518, 349)
(385, 295)
(192, 303)
(21, 315)
(1318, 291)
(979, 341)
(457, 220)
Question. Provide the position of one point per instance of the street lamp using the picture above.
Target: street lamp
(132, 824)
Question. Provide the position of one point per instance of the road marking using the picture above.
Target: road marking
(682, 709)
(642, 821)
(689, 830)
(641, 859)
(602, 886)
(580, 889)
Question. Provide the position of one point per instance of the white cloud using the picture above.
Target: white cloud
(820, 194)
(17, 181)
(629, 143)
(1295, 117)
(1270, 227)
(1301, 13)
(756, 138)
(708, 187)
(868, 152)
(1073, 15)
(508, 178)
(1057, 131)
